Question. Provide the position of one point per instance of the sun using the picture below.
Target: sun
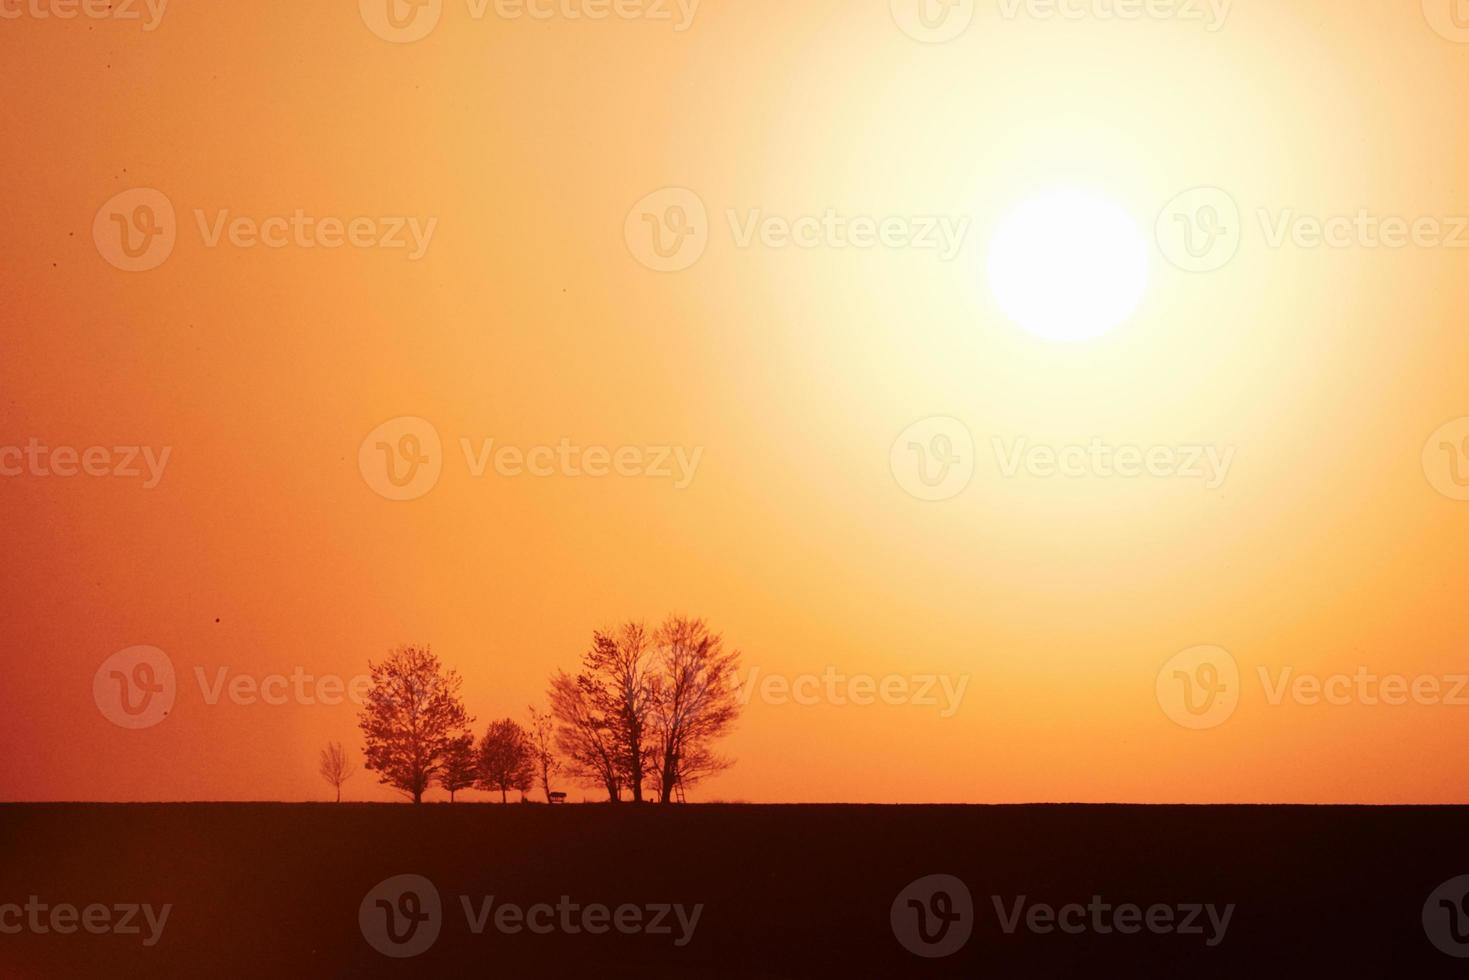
(1068, 265)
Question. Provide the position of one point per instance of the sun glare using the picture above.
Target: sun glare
(1068, 265)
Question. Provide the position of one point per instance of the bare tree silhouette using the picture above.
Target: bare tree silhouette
(694, 704)
(336, 768)
(543, 747)
(586, 741)
(616, 676)
(647, 708)
(411, 720)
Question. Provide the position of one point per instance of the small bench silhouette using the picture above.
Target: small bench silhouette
(557, 797)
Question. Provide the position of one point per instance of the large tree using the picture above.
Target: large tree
(617, 678)
(506, 761)
(585, 738)
(695, 703)
(412, 718)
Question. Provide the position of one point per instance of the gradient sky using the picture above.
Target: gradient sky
(530, 320)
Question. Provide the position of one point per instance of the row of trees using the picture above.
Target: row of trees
(639, 719)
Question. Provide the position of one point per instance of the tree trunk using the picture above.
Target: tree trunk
(417, 796)
(339, 794)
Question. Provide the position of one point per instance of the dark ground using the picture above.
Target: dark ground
(274, 890)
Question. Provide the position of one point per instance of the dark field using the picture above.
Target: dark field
(275, 890)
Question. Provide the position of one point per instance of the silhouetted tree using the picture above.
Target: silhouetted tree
(694, 703)
(505, 760)
(542, 734)
(617, 685)
(336, 768)
(585, 739)
(412, 718)
(461, 765)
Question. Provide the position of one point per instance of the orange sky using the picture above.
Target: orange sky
(789, 372)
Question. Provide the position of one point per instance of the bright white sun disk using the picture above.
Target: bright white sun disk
(1068, 265)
